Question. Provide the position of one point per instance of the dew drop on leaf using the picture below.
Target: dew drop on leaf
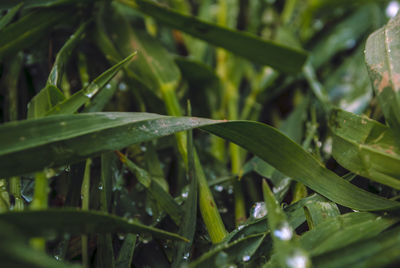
(283, 232)
(258, 210)
(298, 260)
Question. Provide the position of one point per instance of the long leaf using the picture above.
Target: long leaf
(47, 222)
(32, 145)
(382, 54)
(261, 51)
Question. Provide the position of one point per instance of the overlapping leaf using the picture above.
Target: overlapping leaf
(365, 147)
(53, 141)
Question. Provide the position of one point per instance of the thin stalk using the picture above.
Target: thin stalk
(85, 192)
(11, 81)
(39, 202)
(209, 211)
(230, 100)
(15, 190)
(4, 197)
(174, 109)
(208, 208)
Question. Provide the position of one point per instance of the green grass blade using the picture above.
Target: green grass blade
(163, 198)
(380, 251)
(320, 211)
(30, 145)
(289, 158)
(343, 36)
(64, 55)
(72, 104)
(29, 29)
(344, 230)
(50, 95)
(282, 58)
(126, 251)
(188, 226)
(154, 66)
(365, 147)
(46, 222)
(381, 55)
(39, 3)
(287, 248)
(6, 19)
(14, 252)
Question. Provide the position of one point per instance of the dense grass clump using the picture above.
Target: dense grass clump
(216, 133)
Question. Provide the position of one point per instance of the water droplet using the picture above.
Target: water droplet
(149, 211)
(101, 186)
(143, 148)
(185, 194)
(186, 256)
(392, 9)
(121, 236)
(258, 210)
(223, 210)
(298, 260)
(218, 188)
(108, 86)
(122, 87)
(246, 258)
(91, 90)
(230, 189)
(284, 232)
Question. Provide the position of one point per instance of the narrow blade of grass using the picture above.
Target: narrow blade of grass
(50, 221)
(282, 58)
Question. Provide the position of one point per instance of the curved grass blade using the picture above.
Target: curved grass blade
(278, 56)
(381, 55)
(64, 55)
(365, 147)
(6, 19)
(52, 221)
(72, 104)
(289, 158)
(31, 145)
(380, 251)
(344, 230)
(30, 28)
